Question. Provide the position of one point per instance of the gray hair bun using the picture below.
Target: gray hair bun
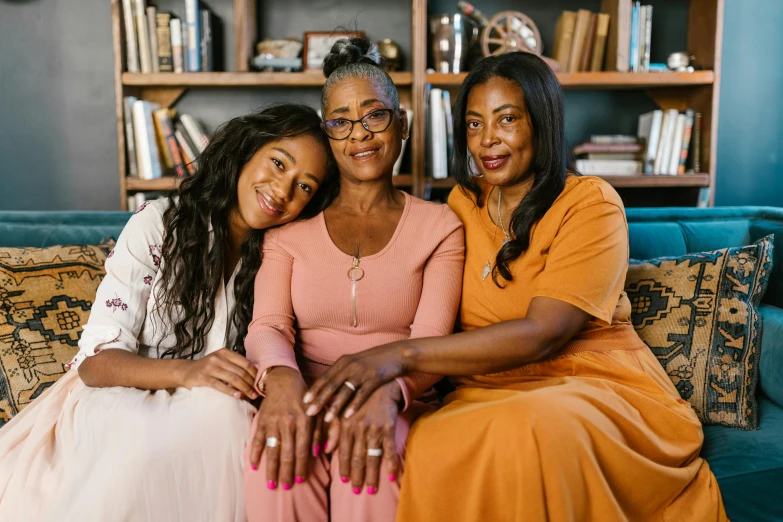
(351, 50)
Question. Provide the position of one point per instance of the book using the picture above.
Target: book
(206, 46)
(674, 160)
(165, 57)
(176, 44)
(184, 36)
(599, 43)
(587, 49)
(580, 32)
(631, 156)
(143, 36)
(193, 35)
(613, 138)
(563, 52)
(609, 167)
(195, 132)
(608, 147)
(167, 142)
(633, 64)
(696, 141)
(663, 156)
(686, 140)
(650, 131)
(439, 165)
(146, 145)
(619, 39)
(152, 27)
(449, 127)
(645, 57)
(130, 138)
(131, 47)
(188, 149)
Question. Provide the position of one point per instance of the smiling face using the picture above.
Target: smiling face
(499, 133)
(279, 181)
(364, 155)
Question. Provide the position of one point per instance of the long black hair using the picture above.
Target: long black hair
(193, 268)
(545, 107)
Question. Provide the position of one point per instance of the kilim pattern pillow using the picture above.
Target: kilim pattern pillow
(45, 299)
(698, 314)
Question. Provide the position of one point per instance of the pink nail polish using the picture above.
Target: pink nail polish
(286, 486)
(298, 480)
(271, 484)
(392, 477)
(344, 479)
(326, 447)
(254, 467)
(356, 491)
(316, 450)
(371, 490)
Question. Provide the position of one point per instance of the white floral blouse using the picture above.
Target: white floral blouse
(123, 315)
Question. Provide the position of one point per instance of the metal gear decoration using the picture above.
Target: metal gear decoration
(510, 31)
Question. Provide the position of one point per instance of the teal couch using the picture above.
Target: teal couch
(748, 464)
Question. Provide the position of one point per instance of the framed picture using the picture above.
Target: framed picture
(318, 44)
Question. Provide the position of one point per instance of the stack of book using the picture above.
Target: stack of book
(160, 42)
(628, 47)
(673, 141)
(137, 200)
(580, 40)
(440, 133)
(610, 156)
(158, 143)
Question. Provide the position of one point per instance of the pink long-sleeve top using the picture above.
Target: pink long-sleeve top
(303, 314)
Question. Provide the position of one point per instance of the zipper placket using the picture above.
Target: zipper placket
(355, 274)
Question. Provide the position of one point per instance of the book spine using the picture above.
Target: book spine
(679, 132)
(194, 40)
(152, 27)
(207, 63)
(170, 143)
(568, 22)
(449, 126)
(154, 153)
(647, 38)
(186, 146)
(160, 138)
(697, 142)
(587, 49)
(142, 143)
(599, 45)
(195, 132)
(437, 130)
(640, 39)
(633, 64)
(176, 44)
(165, 58)
(686, 141)
(130, 138)
(131, 47)
(143, 36)
(654, 143)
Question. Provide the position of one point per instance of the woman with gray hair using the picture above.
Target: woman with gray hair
(362, 273)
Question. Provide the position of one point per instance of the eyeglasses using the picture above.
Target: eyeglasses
(341, 128)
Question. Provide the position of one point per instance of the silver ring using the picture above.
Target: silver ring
(351, 386)
(374, 452)
(272, 442)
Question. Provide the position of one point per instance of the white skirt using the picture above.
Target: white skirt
(120, 454)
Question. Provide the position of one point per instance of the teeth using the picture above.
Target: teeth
(365, 153)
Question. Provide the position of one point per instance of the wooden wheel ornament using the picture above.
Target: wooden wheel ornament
(510, 31)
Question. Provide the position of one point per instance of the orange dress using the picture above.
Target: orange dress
(597, 432)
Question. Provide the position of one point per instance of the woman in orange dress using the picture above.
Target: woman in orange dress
(560, 411)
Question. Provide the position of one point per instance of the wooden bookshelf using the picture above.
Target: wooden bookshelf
(698, 90)
(169, 183)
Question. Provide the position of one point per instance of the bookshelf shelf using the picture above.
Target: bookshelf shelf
(169, 183)
(603, 80)
(687, 180)
(239, 79)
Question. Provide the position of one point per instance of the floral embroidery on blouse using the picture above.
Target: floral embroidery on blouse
(154, 252)
(111, 254)
(142, 207)
(148, 280)
(116, 304)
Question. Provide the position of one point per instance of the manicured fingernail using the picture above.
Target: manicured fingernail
(254, 467)
(254, 396)
(326, 447)
(237, 395)
(329, 416)
(312, 410)
(298, 480)
(271, 484)
(356, 491)
(286, 486)
(307, 398)
(344, 479)
(348, 413)
(371, 490)
(316, 450)
(392, 477)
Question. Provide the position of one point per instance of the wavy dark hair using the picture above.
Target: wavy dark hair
(193, 268)
(553, 160)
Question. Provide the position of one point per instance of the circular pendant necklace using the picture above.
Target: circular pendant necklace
(488, 267)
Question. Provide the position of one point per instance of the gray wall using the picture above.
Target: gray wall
(57, 131)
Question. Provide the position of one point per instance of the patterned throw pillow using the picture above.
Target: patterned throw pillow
(45, 299)
(698, 314)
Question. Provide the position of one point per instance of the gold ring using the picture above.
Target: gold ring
(351, 386)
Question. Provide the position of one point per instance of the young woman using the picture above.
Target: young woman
(376, 266)
(560, 411)
(151, 421)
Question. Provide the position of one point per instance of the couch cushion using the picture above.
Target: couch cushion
(43, 229)
(703, 236)
(749, 465)
(649, 240)
(771, 365)
(698, 314)
(45, 298)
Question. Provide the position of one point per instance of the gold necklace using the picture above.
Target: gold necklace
(488, 267)
(355, 274)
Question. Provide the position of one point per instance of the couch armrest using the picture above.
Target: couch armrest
(771, 365)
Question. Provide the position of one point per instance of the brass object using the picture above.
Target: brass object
(391, 53)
